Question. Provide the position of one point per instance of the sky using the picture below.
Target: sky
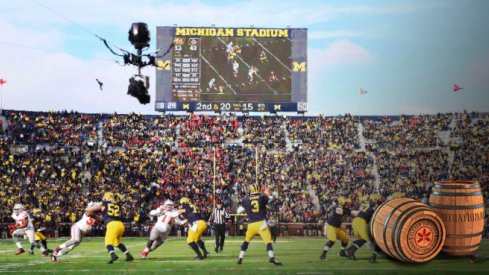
(406, 54)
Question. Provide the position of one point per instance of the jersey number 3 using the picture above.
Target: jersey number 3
(256, 206)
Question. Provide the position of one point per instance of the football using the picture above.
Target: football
(93, 213)
(21, 223)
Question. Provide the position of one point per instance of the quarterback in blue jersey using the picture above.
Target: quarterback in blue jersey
(255, 207)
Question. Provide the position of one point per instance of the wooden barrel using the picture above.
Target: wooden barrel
(408, 230)
(461, 207)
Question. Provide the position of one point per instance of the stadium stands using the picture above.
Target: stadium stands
(61, 160)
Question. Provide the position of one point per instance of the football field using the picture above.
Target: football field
(298, 256)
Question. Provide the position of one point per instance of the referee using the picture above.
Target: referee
(218, 218)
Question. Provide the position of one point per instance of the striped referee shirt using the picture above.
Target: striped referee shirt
(219, 216)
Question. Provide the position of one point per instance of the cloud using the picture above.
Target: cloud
(94, 13)
(339, 53)
(42, 75)
(56, 81)
(334, 34)
(43, 80)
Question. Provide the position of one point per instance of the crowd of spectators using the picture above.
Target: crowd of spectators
(338, 133)
(205, 130)
(409, 172)
(66, 128)
(137, 131)
(148, 159)
(470, 147)
(268, 132)
(409, 132)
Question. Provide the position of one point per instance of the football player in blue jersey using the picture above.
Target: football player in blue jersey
(197, 227)
(255, 206)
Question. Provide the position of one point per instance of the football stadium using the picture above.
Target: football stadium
(338, 145)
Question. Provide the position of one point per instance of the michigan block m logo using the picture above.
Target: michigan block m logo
(299, 67)
(160, 65)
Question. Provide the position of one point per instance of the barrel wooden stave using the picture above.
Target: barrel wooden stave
(461, 206)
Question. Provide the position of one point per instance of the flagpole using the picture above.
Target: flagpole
(101, 101)
(1, 99)
(214, 182)
(256, 164)
(358, 103)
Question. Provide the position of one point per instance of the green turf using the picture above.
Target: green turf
(298, 255)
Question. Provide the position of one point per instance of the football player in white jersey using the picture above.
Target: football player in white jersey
(23, 227)
(167, 215)
(251, 72)
(235, 68)
(211, 85)
(78, 230)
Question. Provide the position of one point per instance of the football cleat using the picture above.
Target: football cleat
(473, 259)
(323, 256)
(19, 251)
(199, 257)
(350, 253)
(274, 261)
(31, 252)
(206, 254)
(54, 259)
(342, 253)
(143, 254)
(113, 258)
(129, 257)
(240, 260)
(373, 259)
(45, 253)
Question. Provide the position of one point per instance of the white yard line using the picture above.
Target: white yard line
(265, 48)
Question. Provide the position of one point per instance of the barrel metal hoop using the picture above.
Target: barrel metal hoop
(457, 186)
(461, 247)
(402, 224)
(387, 222)
(465, 235)
(456, 194)
(457, 207)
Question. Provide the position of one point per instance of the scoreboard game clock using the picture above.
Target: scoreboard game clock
(232, 69)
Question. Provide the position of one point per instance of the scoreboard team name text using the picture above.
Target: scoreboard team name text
(242, 32)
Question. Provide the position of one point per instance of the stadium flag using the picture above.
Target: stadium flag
(2, 81)
(457, 88)
(362, 91)
(100, 84)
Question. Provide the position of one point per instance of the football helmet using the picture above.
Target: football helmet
(254, 189)
(18, 208)
(108, 196)
(92, 203)
(168, 205)
(185, 200)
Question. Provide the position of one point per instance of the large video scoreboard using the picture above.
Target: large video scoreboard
(232, 69)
